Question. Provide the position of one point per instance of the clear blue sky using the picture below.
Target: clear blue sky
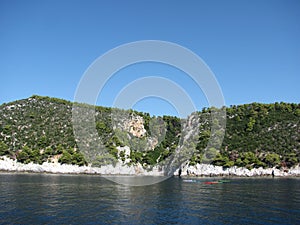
(253, 47)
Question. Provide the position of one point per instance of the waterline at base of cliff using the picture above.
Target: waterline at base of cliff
(10, 165)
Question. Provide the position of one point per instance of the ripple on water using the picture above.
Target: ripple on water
(69, 199)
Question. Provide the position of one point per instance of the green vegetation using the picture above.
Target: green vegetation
(4, 150)
(70, 156)
(257, 135)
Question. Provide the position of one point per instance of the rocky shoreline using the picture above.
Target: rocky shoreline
(199, 170)
(206, 170)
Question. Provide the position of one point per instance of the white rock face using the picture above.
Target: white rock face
(7, 164)
(126, 152)
(211, 170)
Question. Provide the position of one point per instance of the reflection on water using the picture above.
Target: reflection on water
(82, 199)
(137, 180)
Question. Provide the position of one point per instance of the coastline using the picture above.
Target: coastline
(199, 170)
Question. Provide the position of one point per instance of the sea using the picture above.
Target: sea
(92, 199)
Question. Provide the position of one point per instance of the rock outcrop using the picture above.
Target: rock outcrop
(135, 126)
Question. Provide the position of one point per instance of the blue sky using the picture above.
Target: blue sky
(252, 47)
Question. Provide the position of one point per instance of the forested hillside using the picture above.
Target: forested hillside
(260, 135)
(39, 129)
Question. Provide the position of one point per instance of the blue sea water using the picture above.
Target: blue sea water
(85, 199)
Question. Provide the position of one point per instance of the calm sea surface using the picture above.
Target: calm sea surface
(84, 199)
